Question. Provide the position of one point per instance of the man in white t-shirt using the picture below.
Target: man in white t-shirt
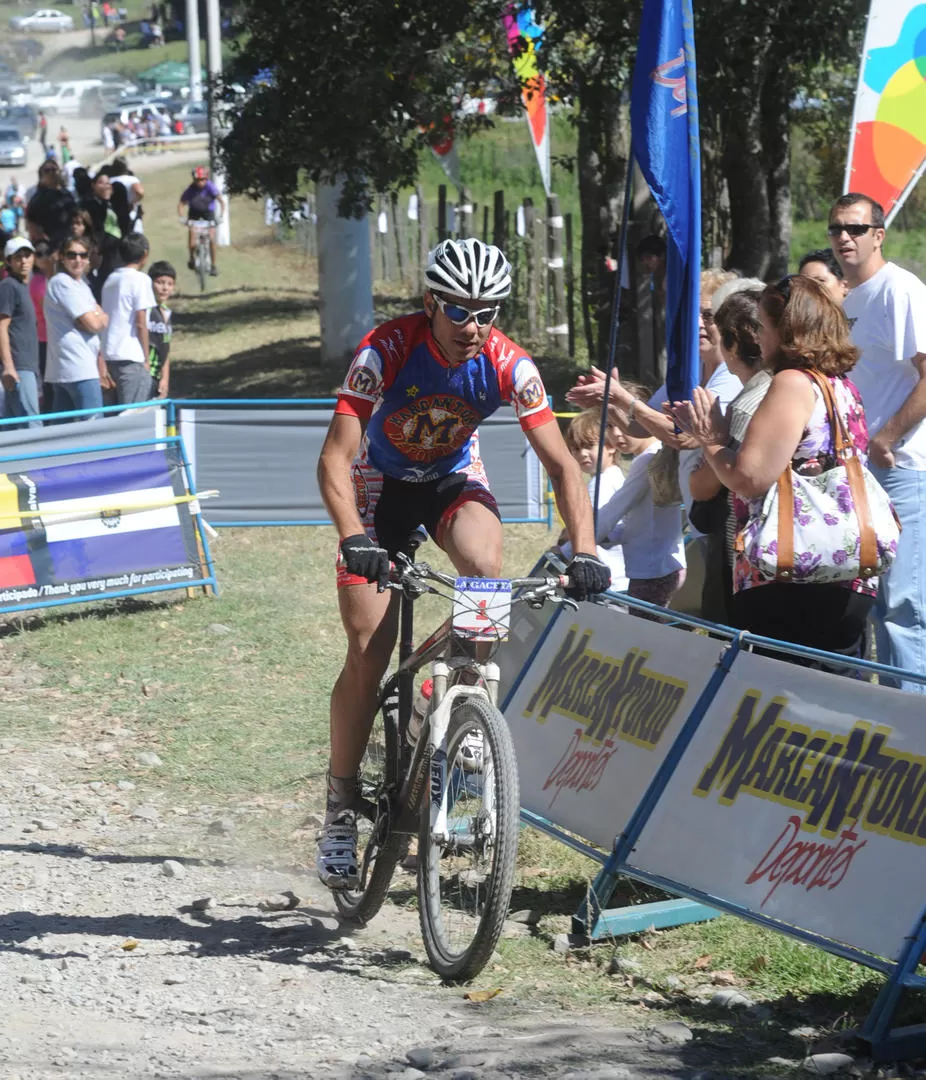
(127, 299)
(886, 308)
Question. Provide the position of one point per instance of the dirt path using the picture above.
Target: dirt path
(109, 969)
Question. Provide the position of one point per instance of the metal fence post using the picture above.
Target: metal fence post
(558, 329)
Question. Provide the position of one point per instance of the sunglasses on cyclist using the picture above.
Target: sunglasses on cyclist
(76, 255)
(460, 316)
(837, 228)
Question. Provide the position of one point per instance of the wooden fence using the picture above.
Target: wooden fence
(540, 242)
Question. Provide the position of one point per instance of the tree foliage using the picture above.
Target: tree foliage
(359, 87)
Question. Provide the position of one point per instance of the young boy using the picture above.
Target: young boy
(582, 440)
(163, 278)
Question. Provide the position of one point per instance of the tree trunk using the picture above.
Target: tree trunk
(776, 146)
(603, 154)
(748, 187)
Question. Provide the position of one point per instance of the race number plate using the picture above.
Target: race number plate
(482, 608)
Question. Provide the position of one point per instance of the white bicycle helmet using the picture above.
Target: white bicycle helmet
(469, 269)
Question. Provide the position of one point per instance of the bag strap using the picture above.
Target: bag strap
(785, 562)
(841, 438)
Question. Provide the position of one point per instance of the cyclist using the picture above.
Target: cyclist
(201, 199)
(402, 451)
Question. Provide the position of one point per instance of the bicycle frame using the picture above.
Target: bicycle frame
(429, 754)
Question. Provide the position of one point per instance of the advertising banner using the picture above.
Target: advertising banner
(95, 528)
(597, 711)
(802, 797)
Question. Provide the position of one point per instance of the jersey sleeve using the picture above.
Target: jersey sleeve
(372, 371)
(528, 395)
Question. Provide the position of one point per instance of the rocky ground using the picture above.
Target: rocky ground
(139, 941)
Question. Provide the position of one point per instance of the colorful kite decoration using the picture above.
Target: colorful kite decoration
(887, 150)
(524, 38)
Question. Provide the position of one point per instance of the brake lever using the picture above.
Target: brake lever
(567, 600)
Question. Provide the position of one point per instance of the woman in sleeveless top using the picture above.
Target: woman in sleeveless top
(801, 330)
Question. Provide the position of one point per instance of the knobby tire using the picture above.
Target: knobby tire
(453, 964)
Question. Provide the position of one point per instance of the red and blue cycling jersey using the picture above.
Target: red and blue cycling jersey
(422, 414)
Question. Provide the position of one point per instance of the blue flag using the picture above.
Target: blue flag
(664, 125)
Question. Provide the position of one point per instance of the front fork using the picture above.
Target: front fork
(442, 701)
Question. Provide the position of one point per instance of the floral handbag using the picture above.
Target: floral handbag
(837, 526)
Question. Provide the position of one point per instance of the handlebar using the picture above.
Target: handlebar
(412, 578)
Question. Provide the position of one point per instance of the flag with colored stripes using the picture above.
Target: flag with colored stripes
(95, 527)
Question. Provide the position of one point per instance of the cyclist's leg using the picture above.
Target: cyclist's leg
(370, 622)
(467, 524)
(212, 247)
(191, 243)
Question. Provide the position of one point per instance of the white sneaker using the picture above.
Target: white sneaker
(336, 860)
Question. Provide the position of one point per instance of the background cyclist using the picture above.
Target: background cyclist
(202, 198)
(402, 451)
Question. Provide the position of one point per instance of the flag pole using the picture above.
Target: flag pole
(615, 330)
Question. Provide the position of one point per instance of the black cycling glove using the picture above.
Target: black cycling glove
(363, 558)
(588, 575)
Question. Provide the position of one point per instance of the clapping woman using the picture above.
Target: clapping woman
(801, 330)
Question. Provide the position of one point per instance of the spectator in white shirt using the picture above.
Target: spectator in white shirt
(886, 308)
(127, 299)
(73, 322)
(582, 438)
(648, 531)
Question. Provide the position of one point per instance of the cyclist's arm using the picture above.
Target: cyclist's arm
(569, 486)
(334, 473)
(181, 206)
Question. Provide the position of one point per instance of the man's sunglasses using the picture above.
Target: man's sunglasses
(837, 229)
(460, 316)
(77, 255)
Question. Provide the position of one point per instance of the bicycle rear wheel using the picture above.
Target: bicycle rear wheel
(465, 881)
(378, 848)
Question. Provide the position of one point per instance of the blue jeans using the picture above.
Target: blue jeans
(23, 401)
(84, 394)
(900, 610)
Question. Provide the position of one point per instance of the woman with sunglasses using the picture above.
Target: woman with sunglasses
(801, 329)
(402, 451)
(73, 321)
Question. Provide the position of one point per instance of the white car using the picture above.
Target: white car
(49, 20)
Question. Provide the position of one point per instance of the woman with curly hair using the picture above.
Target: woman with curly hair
(801, 330)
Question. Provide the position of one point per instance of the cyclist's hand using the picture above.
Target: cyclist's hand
(363, 558)
(588, 575)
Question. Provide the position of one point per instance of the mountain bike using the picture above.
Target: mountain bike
(453, 784)
(202, 252)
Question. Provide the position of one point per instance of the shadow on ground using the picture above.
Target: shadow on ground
(290, 368)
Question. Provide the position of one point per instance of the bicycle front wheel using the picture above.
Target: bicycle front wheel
(378, 847)
(202, 264)
(465, 877)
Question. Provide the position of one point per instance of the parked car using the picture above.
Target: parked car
(98, 100)
(44, 20)
(23, 117)
(194, 115)
(12, 147)
(65, 98)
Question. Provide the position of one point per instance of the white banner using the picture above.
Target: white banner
(596, 712)
(802, 796)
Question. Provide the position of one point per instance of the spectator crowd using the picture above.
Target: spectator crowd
(84, 318)
(811, 388)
